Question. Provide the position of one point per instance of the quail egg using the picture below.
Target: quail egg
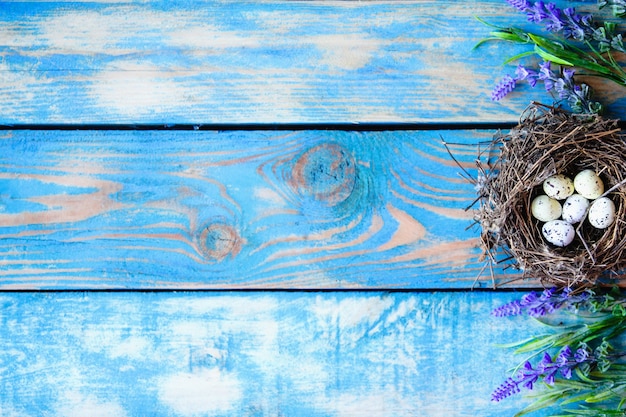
(558, 232)
(602, 213)
(558, 187)
(575, 208)
(544, 208)
(588, 184)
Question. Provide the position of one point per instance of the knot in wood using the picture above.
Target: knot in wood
(326, 173)
(218, 241)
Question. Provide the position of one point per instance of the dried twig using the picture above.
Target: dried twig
(548, 141)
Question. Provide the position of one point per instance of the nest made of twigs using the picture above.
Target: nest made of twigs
(550, 141)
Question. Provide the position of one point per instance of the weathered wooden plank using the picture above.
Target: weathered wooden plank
(256, 62)
(255, 354)
(237, 209)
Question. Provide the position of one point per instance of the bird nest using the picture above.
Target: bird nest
(550, 141)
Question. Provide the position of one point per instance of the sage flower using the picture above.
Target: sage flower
(523, 73)
(580, 43)
(572, 25)
(546, 371)
(506, 389)
(578, 96)
(521, 5)
(504, 87)
(586, 369)
(527, 377)
(538, 305)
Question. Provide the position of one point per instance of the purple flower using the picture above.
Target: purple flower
(536, 12)
(537, 305)
(508, 388)
(565, 86)
(520, 5)
(504, 87)
(546, 75)
(513, 308)
(546, 370)
(523, 73)
(568, 74)
(528, 376)
(554, 19)
(581, 355)
(508, 83)
(577, 25)
(578, 96)
(573, 25)
(564, 362)
(564, 356)
(529, 298)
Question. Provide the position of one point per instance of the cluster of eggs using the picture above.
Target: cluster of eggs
(582, 198)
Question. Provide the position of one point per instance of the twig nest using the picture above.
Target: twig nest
(564, 232)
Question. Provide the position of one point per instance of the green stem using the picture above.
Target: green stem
(563, 53)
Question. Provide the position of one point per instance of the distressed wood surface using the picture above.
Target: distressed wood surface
(311, 209)
(238, 209)
(255, 354)
(197, 62)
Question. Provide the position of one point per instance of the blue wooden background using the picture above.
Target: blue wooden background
(157, 158)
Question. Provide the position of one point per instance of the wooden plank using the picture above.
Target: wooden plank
(255, 354)
(237, 209)
(198, 62)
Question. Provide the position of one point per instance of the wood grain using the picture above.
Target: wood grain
(237, 209)
(256, 354)
(312, 209)
(198, 62)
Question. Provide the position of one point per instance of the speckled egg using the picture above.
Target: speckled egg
(558, 232)
(588, 184)
(544, 208)
(602, 213)
(558, 187)
(575, 208)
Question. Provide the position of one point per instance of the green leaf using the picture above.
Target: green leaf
(610, 392)
(543, 402)
(510, 36)
(518, 343)
(484, 22)
(551, 46)
(570, 384)
(552, 58)
(610, 28)
(561, 53)
(582, 374)
(552, 340)
(576, 398)
(519, 56)
(566, 54)
(571, 413)
(482, 41)
(591, 411)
